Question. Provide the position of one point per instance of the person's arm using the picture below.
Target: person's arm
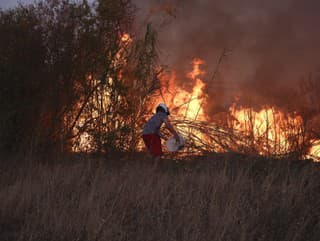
(171, 129)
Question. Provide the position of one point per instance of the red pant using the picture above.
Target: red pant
(153, 144)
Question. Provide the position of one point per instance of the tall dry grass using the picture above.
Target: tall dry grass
(210, 199)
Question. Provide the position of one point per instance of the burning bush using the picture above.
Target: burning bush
(82, 80)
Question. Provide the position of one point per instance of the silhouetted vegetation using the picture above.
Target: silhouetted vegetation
(64, 61)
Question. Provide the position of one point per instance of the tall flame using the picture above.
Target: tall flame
(195, 106)
(269, 131)
(188, 105)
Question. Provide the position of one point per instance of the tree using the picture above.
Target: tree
(113, 114)
(71, 74)
(21, 66)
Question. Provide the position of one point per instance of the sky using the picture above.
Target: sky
(272, 45)
(9, 3)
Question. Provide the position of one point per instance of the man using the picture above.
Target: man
(151, 131)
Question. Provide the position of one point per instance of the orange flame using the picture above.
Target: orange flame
(126, 38)
(314, 151)
(269, 128)
(188, 105)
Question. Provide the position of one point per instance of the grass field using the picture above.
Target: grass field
(216, 197)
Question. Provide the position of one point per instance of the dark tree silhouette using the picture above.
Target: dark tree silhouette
(66, 70)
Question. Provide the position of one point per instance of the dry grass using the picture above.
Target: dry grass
(212, 198)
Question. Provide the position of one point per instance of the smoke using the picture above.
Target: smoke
(272, 45)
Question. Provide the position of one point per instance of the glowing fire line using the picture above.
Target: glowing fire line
(270, 130)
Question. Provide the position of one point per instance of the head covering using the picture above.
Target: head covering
(164, 107)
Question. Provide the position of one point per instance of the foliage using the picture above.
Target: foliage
(21, 71)
(112, 112)
(69, 68)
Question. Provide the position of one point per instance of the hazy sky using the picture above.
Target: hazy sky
(10, 3)
(273, 44)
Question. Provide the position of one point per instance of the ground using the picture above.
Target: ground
(122, 197)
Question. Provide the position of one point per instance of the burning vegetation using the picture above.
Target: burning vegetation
(78, 78)
(269, 131)
(102, 80)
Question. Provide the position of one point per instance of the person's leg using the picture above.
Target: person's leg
(156, 150)
(153, 144)
(147, 139)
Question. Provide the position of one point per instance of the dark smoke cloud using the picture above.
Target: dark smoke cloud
(273, 45)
